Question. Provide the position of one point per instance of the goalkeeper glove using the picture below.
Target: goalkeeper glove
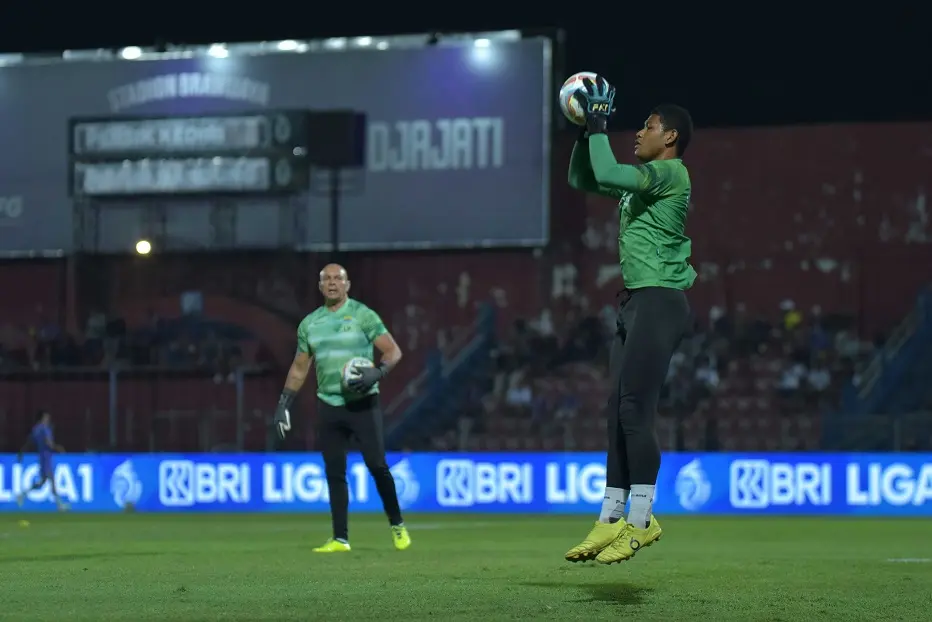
(367, 378)
(598, 100)
(282, 420)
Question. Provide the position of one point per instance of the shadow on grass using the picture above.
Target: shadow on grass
(602, 592)
(4, 559)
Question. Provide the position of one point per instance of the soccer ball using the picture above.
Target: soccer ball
(351, 368)
(568, 104)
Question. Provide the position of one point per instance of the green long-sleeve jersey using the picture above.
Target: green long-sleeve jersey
(653, 201)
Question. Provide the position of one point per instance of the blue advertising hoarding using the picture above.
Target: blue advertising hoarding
(568, 483)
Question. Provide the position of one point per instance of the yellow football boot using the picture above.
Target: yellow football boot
(602, 535)
(400, 537)
(629, 541)
(333, 546)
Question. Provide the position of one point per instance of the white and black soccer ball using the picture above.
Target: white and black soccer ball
(352, 367)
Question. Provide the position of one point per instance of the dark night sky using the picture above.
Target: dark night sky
(773, 64)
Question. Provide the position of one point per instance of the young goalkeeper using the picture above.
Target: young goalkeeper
(653, 200)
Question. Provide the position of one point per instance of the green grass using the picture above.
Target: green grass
(144, 567)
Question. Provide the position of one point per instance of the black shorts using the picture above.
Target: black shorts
(357, 425)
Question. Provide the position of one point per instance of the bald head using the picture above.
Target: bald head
(334, 284)
(333, 269)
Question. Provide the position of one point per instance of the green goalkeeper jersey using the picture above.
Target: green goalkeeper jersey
(333, 338)
(653, 202)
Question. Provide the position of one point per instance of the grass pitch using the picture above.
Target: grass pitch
(461, 567)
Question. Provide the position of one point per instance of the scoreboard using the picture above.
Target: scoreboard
(255, 153)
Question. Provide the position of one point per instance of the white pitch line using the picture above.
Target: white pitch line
(910, 560)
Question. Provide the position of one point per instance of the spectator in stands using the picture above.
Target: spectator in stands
(519, 395)
(567, 408)
(818, 381)
(520, 343)
(64, 351)
(219, 357)
(543, 344)
(719, 322)
(789, 384)
(679, 395)
(792, 318)
(819, 341)
(501, 366)
(543, 325)
(584, 342)
(847, 345)
(114, 337)
(707, 378)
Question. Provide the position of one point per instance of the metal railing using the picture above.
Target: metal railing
(903, 333)
(140, 409)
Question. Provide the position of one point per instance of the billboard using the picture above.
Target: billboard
(566, 483)
(458, 144)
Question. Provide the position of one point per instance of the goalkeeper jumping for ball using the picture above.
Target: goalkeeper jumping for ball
(340, 330)
(653, 201)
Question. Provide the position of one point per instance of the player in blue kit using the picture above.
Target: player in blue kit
(41, 437)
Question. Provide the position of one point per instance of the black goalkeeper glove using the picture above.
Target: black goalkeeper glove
(282, 420)
(368, 376)
(598, 100)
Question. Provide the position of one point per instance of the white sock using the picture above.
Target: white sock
(642, 496)
(613, 505)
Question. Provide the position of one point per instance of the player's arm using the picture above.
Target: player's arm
(580, 175)
(609, 173)
(389, 352)
(49, 444)
(297, 375)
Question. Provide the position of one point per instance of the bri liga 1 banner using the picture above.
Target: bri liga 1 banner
(565, 483)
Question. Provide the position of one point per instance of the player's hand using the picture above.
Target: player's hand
(597, 98)
(368, 376)
(281, 421)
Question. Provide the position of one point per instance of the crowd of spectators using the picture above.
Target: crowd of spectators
(551, 378)
(186, 342)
